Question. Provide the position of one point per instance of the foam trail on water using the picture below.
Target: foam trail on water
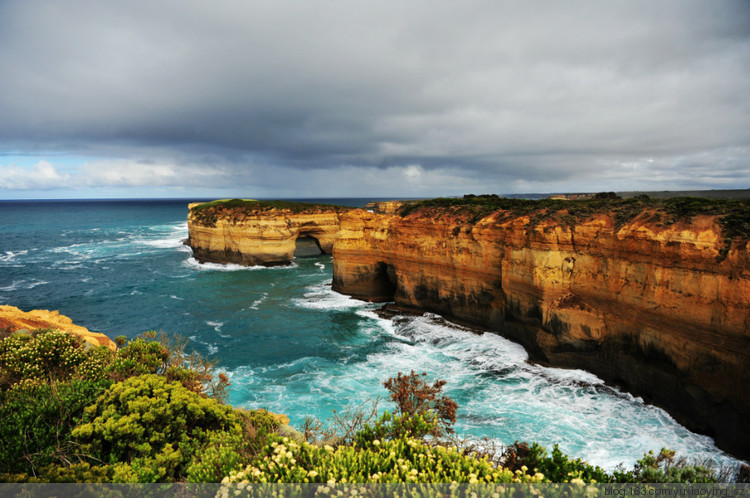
(322, 297)
(504, 396)
(500, 395)
(216, 325)
(194, 264)
(258, 301)
(11, 255)
(23, 285)
(169, 236)
(211, 348)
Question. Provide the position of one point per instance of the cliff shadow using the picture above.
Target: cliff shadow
(385, 281)
(307, 246)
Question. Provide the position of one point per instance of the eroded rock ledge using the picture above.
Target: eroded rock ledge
(13, 319)
(258, 232)
(657, 303)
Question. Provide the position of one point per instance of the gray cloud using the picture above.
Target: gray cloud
(442, 97)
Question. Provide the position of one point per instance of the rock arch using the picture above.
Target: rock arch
(265, 237)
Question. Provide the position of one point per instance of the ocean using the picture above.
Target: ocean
(292, 345)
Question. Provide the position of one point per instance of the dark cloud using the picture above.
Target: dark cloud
(506, 95)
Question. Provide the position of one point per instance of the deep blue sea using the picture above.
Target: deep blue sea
(292, 345)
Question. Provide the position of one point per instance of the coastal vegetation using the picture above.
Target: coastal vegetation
(208, 212)
(733, 215)
(150, 412)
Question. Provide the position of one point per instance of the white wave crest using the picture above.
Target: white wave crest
(23, 285)
(321, 296)
(258, 301)
(11, 255)
(216, 325)
(196, 265)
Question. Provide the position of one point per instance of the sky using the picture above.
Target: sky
(301, 99)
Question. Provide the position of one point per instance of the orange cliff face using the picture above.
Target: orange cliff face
(259, 234)
(13, 319)
(660, 308)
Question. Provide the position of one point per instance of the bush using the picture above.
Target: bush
(166, 356)
(49, 356)
(228, 451)
(389, 427)
(556, 468)
(559, 467)
(37, 421)
(151, 428)
(414, 396)
(138, 357)
(402, 460)
(663, 468)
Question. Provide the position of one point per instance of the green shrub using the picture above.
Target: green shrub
(46, 355)
(37, 420)
(557, 467)
(223, 453)
(402, 460)
(151, 428)
(664, 468)
(389, 427)
(228, 451)
(138, 357)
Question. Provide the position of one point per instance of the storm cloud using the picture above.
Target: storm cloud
(408, 98)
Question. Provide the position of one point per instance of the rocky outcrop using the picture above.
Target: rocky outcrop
(259, 233)
(659, 307)
(12, 319)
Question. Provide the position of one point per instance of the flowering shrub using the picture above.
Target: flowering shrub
(396, 426)
(151, 427)
(227, 451)
(71, 413)
(557, 468)
(44, 355)
(138, 357)
(402, 460)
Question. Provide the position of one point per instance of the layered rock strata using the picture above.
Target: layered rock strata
(13, 319)
(259, 236)
(662, 309)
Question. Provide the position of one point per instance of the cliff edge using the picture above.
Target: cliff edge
(250, 233)
(653, 296)
(12, 319)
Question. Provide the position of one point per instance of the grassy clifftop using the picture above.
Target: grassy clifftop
(733, 215)
(208, 212)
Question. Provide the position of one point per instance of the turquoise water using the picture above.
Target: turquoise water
(292, 345)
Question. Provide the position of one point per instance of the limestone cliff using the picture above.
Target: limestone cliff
(14, 319)
(655, 302)
(258, 233)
